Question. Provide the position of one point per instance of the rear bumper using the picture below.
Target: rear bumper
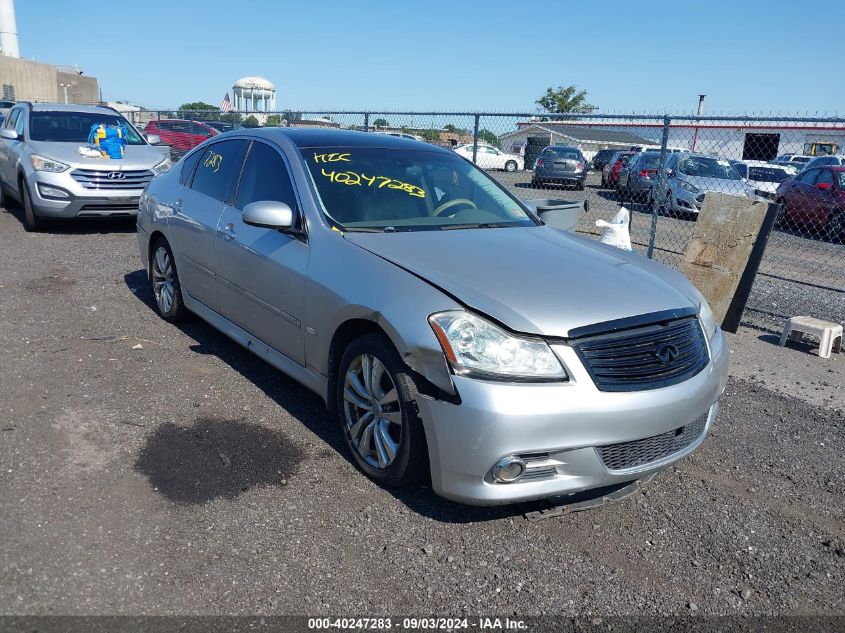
(565, 423)
(551, 175)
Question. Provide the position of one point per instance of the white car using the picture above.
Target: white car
(488, 157)
(764, 177)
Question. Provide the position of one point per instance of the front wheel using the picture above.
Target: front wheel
(510, 165)
(166, 286)
(378, 413)
(836, 227)
(32, 222)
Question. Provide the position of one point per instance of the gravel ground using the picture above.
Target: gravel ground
(150, 469)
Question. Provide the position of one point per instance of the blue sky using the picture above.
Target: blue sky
(646, 57)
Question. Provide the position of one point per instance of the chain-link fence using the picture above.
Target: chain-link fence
(659, 167)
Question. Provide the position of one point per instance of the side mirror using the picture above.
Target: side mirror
(153, 139)
(823, 186)
(9, 134)
(269, 215)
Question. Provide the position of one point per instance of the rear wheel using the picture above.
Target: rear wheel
(32, 222)
(510, 165)
(664, 205)
(580, 185)
(166, 287)
(378, 412)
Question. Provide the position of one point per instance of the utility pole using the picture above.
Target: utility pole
(65, 87)
(700, 112)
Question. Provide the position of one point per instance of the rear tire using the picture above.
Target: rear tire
(580, 185)
(165, 279)
(377, 413)
(510, 165)
(32, 222)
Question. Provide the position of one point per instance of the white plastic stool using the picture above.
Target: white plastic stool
(829, 333)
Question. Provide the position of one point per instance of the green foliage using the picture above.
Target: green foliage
(273, 120)
(231, 117)
(380, 123)
(199, 110)
(430, 135)
(488, 137)
(250, 121)
(198, 105)
(565, 99)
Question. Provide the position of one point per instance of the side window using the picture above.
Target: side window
(19, 123)
(199, 130)
(218, 169)
(265, 177)
(809, 177)
(13, 117)
(825, 176)
(188, 167)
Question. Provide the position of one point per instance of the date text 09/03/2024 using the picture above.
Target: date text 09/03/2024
(418, 624)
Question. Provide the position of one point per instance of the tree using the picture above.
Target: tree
(565, 99)
(250, 121)
(198, 105)
(199, 110)
(273, 120)
(430, 135)
(380, 123)
(487, 136)
(453, 129)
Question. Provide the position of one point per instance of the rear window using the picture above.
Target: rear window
(74, 127)
(562, 153)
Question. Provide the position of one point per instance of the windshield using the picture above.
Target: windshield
(770, 174)
(402, 190)
(562, 153)
(705, 167)
(74, 127)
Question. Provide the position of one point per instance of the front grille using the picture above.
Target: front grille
(99, 178)
(638, 453)
(645, 358)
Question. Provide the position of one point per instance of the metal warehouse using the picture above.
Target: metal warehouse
(740, 140)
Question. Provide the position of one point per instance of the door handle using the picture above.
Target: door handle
(228, 232)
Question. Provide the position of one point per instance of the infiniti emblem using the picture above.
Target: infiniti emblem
(115, 175)
(666, 353)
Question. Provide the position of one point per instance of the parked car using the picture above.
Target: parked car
(637, 177)
(180, 134)
(764, 177)
(601, 158)
(413, 137)
(391, 277)
(690, 176)
(224, 126)
(560, 164)
(821, 161)
(41, 167)
(815, 199)
(489, 157)
(610, 172)
(793, 159)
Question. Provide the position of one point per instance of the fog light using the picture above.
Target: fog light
(508, 469)
(47, 191)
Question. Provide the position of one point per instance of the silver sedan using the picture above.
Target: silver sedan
(456, 337)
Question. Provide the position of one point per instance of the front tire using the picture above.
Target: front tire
(32, 222)
(377, 412)
(836, 227)
(166, 286)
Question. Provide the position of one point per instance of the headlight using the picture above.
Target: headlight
(39, 163)
(163, 166)
(689, 186)
(478, 348)
(708, 320)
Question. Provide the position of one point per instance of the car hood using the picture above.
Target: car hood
(535, 280)
(134, 156)
(717, 185)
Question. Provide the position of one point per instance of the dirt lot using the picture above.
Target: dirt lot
(149, 469)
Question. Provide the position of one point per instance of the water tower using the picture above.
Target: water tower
(254, 94)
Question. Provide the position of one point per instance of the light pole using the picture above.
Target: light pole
(65, 87)
(700, 112)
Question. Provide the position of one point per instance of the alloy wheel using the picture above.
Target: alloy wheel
(371, 410)
(164, 285)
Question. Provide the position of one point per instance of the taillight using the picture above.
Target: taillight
(579, 165)
(539, 162)
(647, 173)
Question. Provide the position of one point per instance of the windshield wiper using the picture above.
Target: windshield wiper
(362, 229)
(475, 225)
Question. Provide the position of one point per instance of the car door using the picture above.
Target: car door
(10, 150)
(799, 199)
(823, 200)
(261, 272)
(196, 210)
